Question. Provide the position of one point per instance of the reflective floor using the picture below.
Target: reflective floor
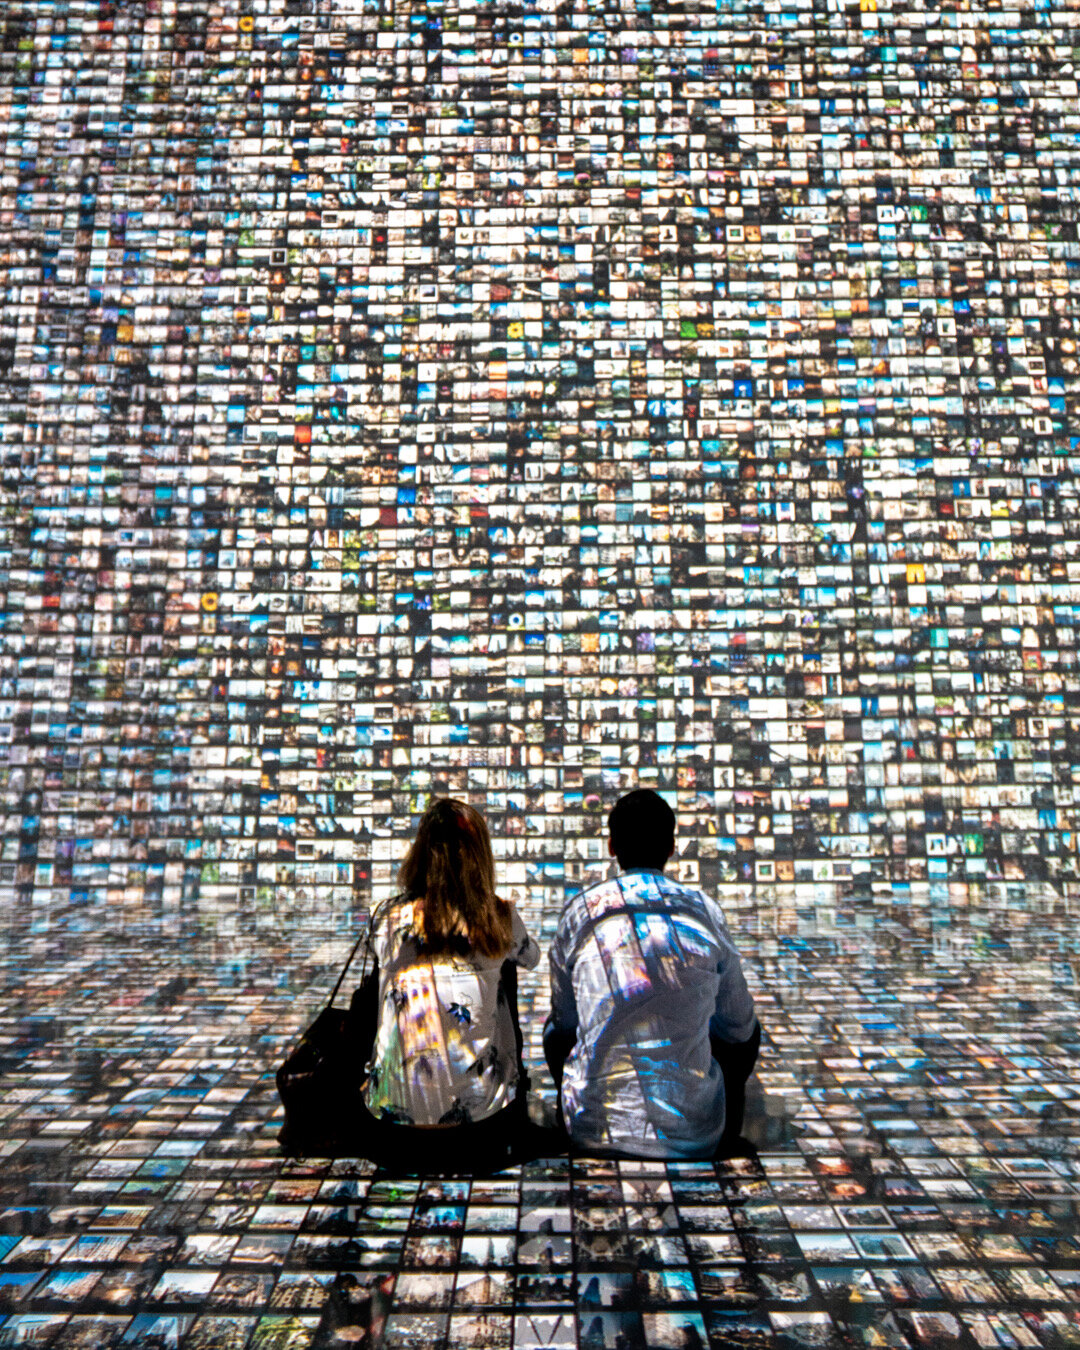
(911, 1175)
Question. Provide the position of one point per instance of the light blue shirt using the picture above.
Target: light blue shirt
(642, 969)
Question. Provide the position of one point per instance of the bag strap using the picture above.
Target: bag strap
(345, 968)
(365, 935)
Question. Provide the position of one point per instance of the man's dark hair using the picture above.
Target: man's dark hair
(642, 828)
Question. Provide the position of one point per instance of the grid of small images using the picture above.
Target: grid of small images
(525, 399)
(528, 400)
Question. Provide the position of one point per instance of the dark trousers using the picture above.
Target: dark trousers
(736, 1061)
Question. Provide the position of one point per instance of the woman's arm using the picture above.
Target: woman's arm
(525, 950)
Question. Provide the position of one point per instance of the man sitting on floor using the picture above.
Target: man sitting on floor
(652, 1032)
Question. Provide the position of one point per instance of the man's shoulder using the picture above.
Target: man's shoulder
(659, 891)
(647, 882)
(687, 891)
(596, 894)
(642, 887)
(595, 886)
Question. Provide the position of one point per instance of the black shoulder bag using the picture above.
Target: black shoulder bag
(319, 1082)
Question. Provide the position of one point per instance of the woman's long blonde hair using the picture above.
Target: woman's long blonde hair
(450, 872)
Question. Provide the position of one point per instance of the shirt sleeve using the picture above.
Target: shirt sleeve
(734, 1017)
(526, 950)
(564, 1014)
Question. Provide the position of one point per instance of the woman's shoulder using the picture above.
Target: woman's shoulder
(393, 914)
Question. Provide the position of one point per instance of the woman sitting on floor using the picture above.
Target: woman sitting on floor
(445, 1085)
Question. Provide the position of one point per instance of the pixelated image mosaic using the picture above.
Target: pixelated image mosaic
(530, 401)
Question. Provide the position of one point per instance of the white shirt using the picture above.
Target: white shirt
(642, 969)
(445, 1049)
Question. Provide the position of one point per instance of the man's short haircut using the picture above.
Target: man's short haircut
(642, 828)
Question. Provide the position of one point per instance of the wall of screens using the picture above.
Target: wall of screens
(526, 400)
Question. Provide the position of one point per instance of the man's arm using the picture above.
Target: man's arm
(734, 1033)
(734, 1019)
